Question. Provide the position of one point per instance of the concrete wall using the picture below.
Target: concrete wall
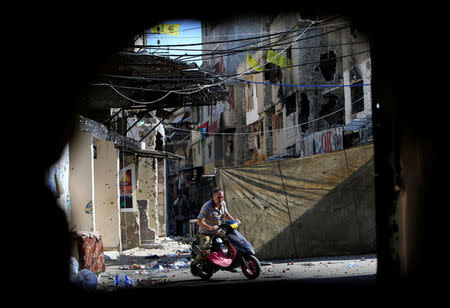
(81, 182)
(162, 209)
(146, 221)
(106, 190)
(94, 188)
(147, 195)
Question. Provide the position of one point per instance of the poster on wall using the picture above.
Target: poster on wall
(127, 187)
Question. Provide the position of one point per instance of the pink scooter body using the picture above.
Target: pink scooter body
(220, 259)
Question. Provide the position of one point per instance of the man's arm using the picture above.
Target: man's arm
(203, 224)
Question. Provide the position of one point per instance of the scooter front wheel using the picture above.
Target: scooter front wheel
(250, 267)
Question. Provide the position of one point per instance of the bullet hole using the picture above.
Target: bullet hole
(328, 65)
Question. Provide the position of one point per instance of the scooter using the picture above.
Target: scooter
(229, 250)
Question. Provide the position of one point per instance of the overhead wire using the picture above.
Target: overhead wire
(221, 41)
(231, 34)
(234, 50)
(180, 91)
(229, 77)
(238, 49)
(265, 131)
(201, 87)
(226, 52)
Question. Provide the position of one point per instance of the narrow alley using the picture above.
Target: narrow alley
(321, 127)
(274, 109)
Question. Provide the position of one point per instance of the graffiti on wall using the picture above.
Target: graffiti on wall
(328, 140)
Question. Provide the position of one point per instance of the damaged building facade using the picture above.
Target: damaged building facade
(301, 89)
(296, 88)
(107, 184)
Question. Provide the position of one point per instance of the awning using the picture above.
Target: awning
(152, 153)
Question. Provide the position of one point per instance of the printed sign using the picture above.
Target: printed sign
(328, 140)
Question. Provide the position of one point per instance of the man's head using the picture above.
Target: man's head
(217, 195)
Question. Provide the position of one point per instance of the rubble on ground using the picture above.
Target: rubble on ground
(158, 262)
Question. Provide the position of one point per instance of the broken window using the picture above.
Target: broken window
(328, 65)
(329, 105)
(289, 53)
(272, 73)
(303, 112)
(290, 104)
(357, 93)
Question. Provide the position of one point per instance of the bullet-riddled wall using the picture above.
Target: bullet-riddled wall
(81, 182)
(147, 196)
(94, 188)
(106, 190)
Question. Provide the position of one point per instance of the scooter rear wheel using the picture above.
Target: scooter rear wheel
(250, 267)
(202, 270)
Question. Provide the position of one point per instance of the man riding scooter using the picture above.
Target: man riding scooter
(212, 214)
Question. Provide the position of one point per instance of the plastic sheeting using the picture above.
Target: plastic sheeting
(313, 206)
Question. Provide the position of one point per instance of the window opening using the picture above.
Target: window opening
(328, 65)
(304, 112)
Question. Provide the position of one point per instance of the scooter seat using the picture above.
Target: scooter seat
(220, 259)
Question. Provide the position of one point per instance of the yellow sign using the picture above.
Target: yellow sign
(172, 29)
(253, 63)
(279, 60)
